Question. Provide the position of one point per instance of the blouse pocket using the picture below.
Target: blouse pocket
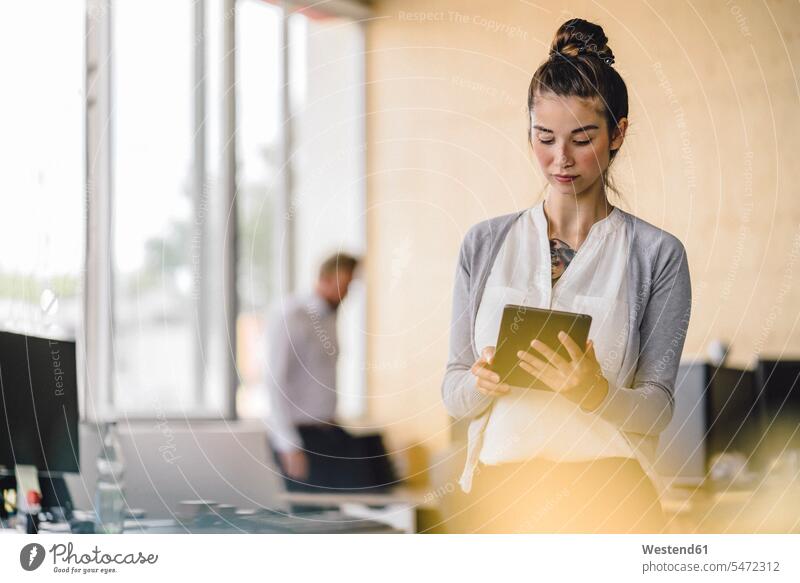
(609, 330)
(598, 308)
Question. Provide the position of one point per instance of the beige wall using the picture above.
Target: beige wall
(710, 156)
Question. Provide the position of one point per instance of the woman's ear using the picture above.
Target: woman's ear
(618, 136)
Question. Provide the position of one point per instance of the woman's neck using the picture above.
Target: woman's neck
(569, 217)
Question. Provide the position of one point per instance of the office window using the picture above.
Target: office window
(194, 230)
(154, 323)
(327, 87)
(324, 195)
(42, 170)
(259, 188)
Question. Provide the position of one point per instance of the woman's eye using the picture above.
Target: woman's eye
(576, 142)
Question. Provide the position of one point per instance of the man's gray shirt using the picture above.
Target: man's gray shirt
(302, 352)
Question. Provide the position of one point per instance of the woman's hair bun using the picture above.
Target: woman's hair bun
(578, 38)
(579, 66)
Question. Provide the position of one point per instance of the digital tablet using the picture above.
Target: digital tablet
(519, 326)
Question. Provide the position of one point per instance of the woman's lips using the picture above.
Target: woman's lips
(564, 178)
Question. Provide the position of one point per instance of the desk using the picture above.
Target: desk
(308, 523)
(397, 508)
(773, 506)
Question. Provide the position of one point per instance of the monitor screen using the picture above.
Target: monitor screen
(779, 383)
(734, 420)
(716, 411)
(38, 403)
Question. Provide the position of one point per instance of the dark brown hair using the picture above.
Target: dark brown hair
(338, 262)
(581, 65)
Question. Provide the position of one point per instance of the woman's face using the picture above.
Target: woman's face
(571, 142)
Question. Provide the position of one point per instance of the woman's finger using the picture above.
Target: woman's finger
(590, 350)
(575, 352)
(531, 370)
(550, 354)
(486, 374)
(487, 354)
(478, 367)
(530, 359)
(492, 389)
(547, 373)
(485, 391)
(544, 376)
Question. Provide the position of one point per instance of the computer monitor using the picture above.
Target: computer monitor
(681, 453)
(733, 413)
(716, 411)
(779, 392)
(38, 403)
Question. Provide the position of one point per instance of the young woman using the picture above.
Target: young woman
(577, 458)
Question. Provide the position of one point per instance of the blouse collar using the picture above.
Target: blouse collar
(599, 229)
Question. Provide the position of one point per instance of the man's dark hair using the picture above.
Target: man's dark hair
(338, 262)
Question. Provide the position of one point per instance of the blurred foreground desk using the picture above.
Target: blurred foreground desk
(772, 506)
(324, 522)
(398, 508)
(311, 523)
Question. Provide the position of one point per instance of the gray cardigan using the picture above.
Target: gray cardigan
(660, 296)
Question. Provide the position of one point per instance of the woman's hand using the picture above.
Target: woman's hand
(488, 381)
(580, 379)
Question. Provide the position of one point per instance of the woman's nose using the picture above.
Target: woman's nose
(563, 158)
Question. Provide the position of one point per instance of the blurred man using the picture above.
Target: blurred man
(311, 448)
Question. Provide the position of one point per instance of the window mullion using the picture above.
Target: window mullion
(98, 281)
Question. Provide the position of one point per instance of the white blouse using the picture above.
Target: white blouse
(530, 423)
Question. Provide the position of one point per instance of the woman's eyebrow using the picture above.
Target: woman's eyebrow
(575, 131)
